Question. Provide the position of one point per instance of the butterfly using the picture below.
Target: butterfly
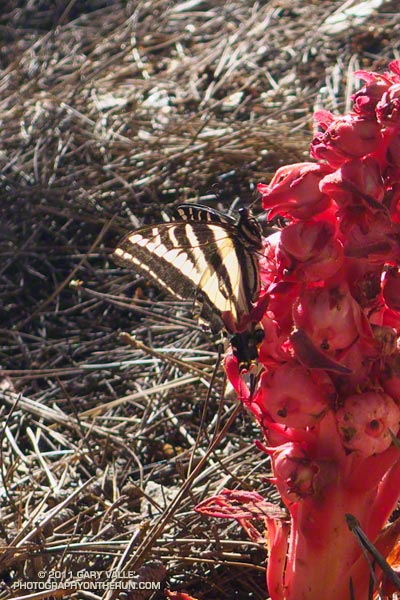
(209, 256)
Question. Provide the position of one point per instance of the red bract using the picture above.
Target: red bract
(327, 399)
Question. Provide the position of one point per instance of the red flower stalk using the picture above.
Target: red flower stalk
(328, 399)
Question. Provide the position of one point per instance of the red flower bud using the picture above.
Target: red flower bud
(366, 99)
(364, 281)
(281, 298)
(358, 358)
(295, 473)
(271, 351)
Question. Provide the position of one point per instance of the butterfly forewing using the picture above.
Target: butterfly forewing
(201, 257)
(196, 212)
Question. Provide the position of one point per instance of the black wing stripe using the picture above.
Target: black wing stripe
(179, 238)
(250, 274)
(204, 247)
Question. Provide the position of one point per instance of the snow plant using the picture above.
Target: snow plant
(328, 398)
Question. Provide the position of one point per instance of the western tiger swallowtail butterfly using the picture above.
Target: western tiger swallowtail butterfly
(211, 257)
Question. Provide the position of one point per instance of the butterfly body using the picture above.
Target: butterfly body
(205, 255)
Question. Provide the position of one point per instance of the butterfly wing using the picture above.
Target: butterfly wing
(238, 269)
(199, 258)
(197, 212)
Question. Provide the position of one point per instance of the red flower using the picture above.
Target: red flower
(357, 189)
(367, 421)
(330, 316)
(379, 244)
(344, 138)
(295, 396)
(294, 191)
(308, 251)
